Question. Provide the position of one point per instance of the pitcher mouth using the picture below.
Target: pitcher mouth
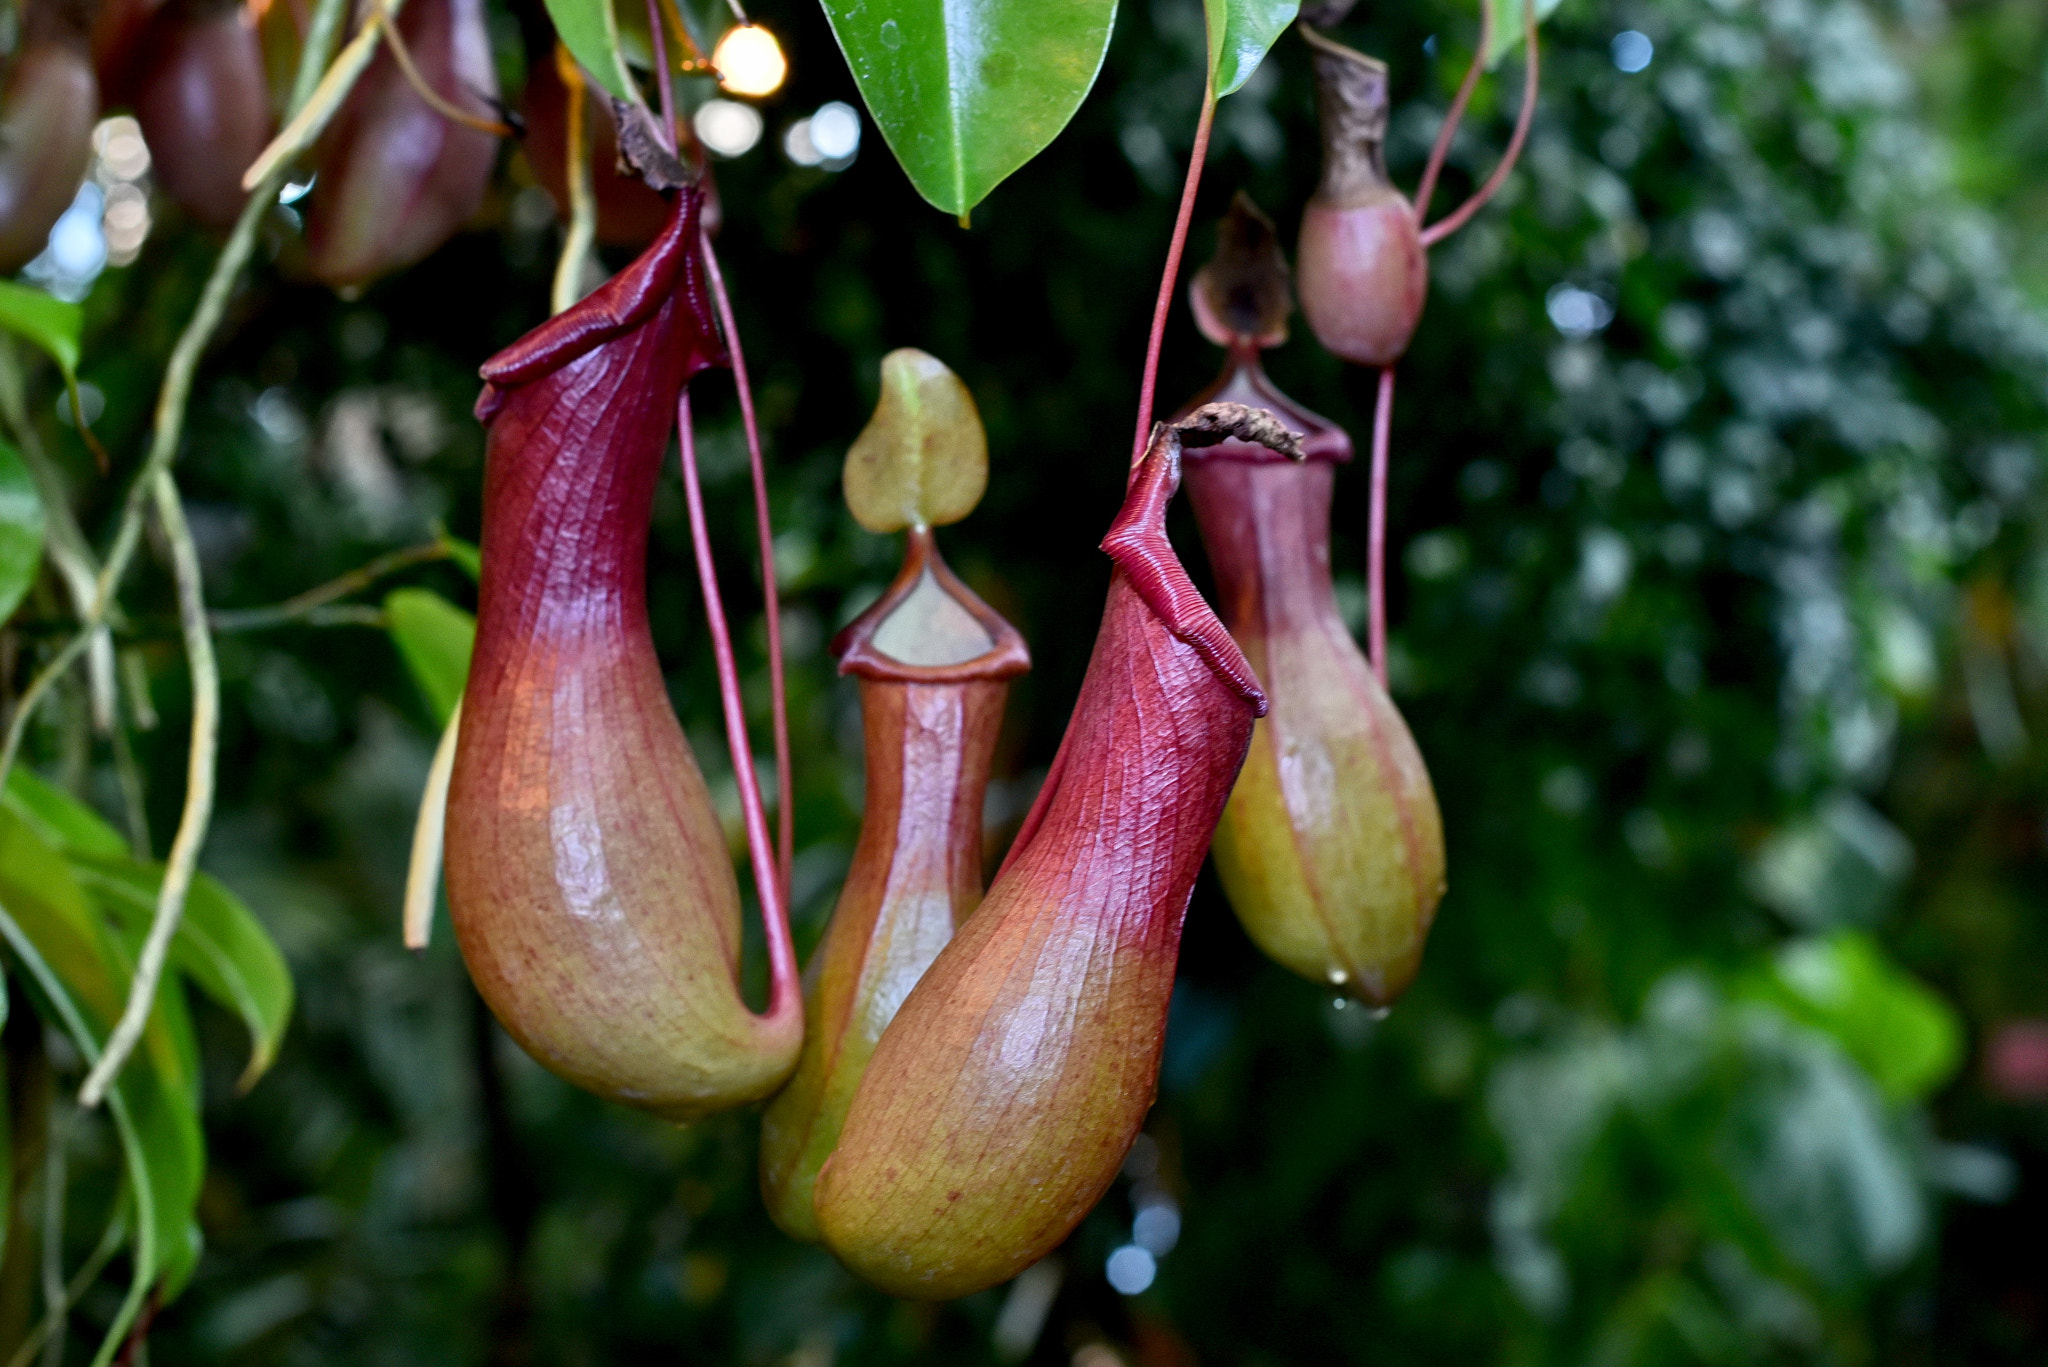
(862, 647)
(1243, 379)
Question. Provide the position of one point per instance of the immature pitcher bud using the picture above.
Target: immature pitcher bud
(1363, 271)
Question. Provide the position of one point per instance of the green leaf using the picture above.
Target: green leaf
(58, 818)
(80, 980)
(590, 31)
(1507, 16)
(436, 638)
(45, 320)
(922, 460)
(464, 553)
(1900, 1031)
(21, 530)
(220, 947)
(1240, 34)
(967, 91)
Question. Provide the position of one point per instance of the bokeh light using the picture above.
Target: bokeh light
(1632, 50)
(749, 61)
(727, 127)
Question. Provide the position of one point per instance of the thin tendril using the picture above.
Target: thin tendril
(154, 483)
(1376, 529)
(1171, 275)
(356, 580)
(168, 425)
(568, 282)
(663, 76)
(203, 756)
(1457, 218)
(1455, 115)
(784, 992)
(697, 60)
(764, 531)
(69, 1293)
(434, 99)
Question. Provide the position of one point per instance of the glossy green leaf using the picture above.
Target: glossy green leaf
(590, 31)
(58, 818)
(1508, 23)
(21, 530)
(220, 948)
(80, 979)
(967, 91)
(1901, 1032)
(436, 638)
(1241, 32)
(49, 322)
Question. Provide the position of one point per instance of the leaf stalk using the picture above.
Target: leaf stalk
(1170, 276)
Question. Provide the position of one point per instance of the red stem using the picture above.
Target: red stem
(1457, 218)
(785, 991)
(1376, 533)
(764, 533)
(1425, 191)
(666, 80)
(1150, 381)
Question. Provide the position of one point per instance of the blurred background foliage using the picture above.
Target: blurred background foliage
(1721, 615)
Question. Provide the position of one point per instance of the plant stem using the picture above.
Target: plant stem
(198, 810)
(129, 775)
(784, 992)
(1376, 529)
(134, 1349)
(88, 1272)
(1458, 217)
(299, 605)
(1149, 381)
(321, 36)
(764, 532)
(1425, 190)
(582, 230)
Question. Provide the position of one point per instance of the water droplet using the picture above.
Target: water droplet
(1340, 1004)
(1338, 977)
(891, 35)
(1379, 1013)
